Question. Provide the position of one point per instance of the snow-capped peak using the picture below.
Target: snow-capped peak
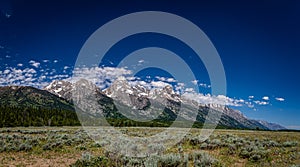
(60, 88)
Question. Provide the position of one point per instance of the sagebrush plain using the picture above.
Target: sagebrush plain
(72, 146)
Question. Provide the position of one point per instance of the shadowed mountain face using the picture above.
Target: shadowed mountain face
(124, 101)
(30, 97)
(28, 106)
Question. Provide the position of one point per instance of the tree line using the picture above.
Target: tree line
(12, 116)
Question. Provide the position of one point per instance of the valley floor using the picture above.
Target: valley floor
(71, 146)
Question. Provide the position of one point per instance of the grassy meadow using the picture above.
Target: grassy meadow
(71, 146)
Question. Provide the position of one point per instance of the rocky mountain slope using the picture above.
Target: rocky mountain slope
(138, 103)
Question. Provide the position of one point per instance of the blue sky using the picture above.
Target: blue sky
(258, 42)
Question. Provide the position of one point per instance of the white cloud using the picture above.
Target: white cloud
(141, 61)
(159, 84)
(171, 80)
(249, 104)
(204, 85)
(28, 76)
(266, 98)
(251, 97)
(160, 78)
(34, 63)
(261, 102)
(131, 78)
(279, 99)
(179, 87)
(14, 76)
(45, 61)
(6, 71)
(209, 99)
(29, 70)
(241, 100)
(43, 77)
(58, 77)
(55, 61)
(101, 76)
(189, 90)
(20, 65)
(180, 84)
(195, 82)
(164, 79)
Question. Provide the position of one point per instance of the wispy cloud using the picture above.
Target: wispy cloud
(159, 84)
(33, 74)
(14, 76)
(195, 82)
(261, 102)
(266, 98)
(34, 63)
(101, 76)
(141, 61)
(279, 99)
(204, 85)
(249, 104)
(189, 90)
(165, 79)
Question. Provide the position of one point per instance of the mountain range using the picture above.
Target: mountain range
(123, 100)
(139, 103)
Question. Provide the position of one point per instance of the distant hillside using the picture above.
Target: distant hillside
(28, 106)
(30, 97)
(272, 126)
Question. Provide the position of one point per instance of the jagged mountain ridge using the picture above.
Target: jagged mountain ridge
(138, 99)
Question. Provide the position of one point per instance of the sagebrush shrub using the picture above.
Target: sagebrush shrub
(203, 146)
(89, 160)
(25, 147)
(290, 144)
(156, 148)
(202, 159)
(170, 160)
